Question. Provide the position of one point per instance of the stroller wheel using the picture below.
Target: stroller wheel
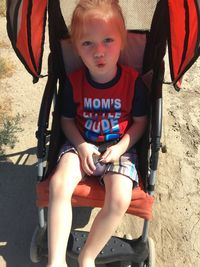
(36, 246)
(151, 260)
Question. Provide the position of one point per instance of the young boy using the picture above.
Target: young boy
(102, 102)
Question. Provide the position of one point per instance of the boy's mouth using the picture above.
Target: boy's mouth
(100, 65)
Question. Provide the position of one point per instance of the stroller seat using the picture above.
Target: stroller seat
(89, 193)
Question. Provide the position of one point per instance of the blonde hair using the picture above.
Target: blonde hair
(110, 10)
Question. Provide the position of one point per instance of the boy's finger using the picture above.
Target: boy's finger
(91, 164)
(105, 155)
(87, 167)
(96, 152)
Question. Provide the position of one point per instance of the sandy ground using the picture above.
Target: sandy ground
(176, 216)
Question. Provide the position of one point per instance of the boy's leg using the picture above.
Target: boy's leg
(62, 185)
(117, 200)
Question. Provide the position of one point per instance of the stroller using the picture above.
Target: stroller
(152, 26)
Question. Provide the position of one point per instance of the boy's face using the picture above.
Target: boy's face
(99, 47)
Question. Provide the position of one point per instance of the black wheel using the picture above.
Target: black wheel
(37, 243)
(151, 260)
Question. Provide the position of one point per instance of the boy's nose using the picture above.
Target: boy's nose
(99, 51)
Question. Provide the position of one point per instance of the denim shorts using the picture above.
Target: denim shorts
(126, 165)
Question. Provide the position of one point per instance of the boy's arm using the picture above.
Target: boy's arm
(129, 139)
(85, 150)
(71, 132)
(134, 133)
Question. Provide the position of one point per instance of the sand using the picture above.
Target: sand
(175, 227)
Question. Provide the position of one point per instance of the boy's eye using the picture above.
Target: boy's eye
(108, 40)
(86, 43)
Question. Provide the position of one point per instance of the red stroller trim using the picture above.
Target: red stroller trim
(184, 36)
(26, 28)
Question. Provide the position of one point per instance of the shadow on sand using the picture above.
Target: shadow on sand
(18, 212)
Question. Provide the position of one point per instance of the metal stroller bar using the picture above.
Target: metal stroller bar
(43, 119)
(42, 132)
(155, 146)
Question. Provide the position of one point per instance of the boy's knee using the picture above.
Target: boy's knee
(57, 187)
(119, 204)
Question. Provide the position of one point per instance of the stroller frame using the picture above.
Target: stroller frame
(139, 252)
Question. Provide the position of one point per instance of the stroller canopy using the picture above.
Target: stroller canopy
(26, 21)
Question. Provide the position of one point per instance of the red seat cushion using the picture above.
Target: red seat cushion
(90, 193)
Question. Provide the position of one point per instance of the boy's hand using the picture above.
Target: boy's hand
(86, 152)
(111, 154)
